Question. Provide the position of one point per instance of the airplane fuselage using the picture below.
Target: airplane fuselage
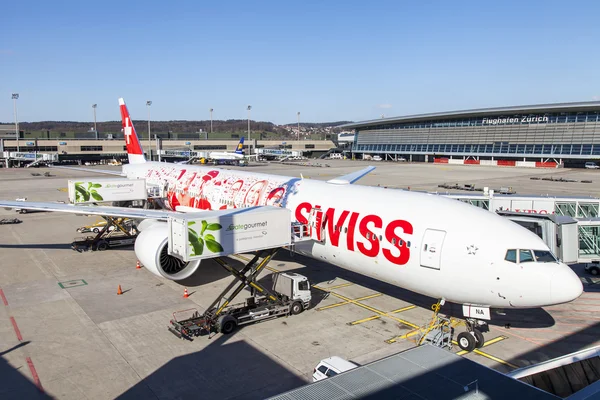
(430, 245)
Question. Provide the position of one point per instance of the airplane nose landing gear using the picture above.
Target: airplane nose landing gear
(473, 338)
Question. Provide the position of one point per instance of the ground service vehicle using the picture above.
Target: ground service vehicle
(290, 295)
(591, 165)
(593, 267)
(114, 232)
(331, 366)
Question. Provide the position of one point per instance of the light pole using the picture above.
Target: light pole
(249, 141)
(15, 96)
(298, 128)
(211, 110)
(148, 104)
(95, 129)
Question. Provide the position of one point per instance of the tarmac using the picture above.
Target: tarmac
(65, 333)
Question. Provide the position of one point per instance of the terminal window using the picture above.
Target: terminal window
(91, 148)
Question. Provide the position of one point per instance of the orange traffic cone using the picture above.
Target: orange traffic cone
(185, 293)
(138, 266)
(119, 291)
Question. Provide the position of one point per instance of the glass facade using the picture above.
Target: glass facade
(559, 135)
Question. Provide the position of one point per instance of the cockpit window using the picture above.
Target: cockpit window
(544, 256)
(525, 256)
(511, 255)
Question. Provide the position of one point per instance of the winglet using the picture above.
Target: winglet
(351, 178)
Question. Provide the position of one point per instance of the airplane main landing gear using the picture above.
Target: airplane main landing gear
(473, 338)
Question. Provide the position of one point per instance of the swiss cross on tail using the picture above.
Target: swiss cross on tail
(132, 143)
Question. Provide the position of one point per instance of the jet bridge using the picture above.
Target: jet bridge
(573, 240)
(589, 239)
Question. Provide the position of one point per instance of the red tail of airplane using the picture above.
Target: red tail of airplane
(132, 143)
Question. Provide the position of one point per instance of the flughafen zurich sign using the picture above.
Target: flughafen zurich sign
(514, 120)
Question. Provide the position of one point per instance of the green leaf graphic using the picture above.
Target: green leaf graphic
(214, 227)
(96, 195)
(208, 236)
(214, 246)
(204, 225)
(84, 193)
(193, 233)
(96, 185)
(198, 246)
(89, 185)
(191, 223)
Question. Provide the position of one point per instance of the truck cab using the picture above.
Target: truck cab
(293, 287)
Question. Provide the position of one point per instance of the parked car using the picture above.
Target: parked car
(593, 268)
(377, 158)
(331, 366)
(591, 165)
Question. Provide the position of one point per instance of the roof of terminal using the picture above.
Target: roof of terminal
(495, 111)
(423, 372)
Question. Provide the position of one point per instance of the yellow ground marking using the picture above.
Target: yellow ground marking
(360, 321)
(419, 330)
(340, 285)
(347, 302)
(374, 310)
(332, 306)
(489, 356)
(494, 358)
(491, 341)
(63, 189)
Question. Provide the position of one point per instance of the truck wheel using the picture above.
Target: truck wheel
(95, 230)
(296, 308)
(102, 245)
(228, 325)
(594, 270)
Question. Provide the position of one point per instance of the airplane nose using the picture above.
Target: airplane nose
(565, 286)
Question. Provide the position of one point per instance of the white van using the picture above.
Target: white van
(330, 367)
(377, 158)
(591, 165)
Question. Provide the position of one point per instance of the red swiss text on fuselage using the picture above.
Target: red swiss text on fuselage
(392, 246)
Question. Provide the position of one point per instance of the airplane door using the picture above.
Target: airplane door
(431, 248)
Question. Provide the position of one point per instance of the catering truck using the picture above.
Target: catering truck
(290, 295)
(100, 190)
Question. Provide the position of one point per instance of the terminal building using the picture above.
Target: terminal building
(565, 133)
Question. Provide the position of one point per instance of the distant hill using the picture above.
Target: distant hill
(232, 128)
(319, 124)
(231, 125)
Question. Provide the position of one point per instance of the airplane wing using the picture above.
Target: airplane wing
(124, 212)
(351, 178)
(97, 171)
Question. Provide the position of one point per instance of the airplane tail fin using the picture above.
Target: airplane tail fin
(132, 142)
(240, 147)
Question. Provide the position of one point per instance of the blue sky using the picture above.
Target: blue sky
(351, 60)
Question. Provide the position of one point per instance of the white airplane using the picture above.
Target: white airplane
(425, 243)
(236, 155)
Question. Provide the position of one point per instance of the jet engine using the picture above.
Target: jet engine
(151, 248)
